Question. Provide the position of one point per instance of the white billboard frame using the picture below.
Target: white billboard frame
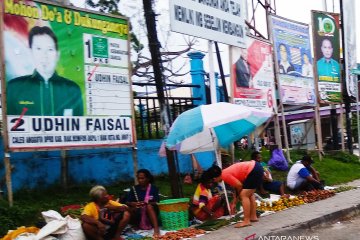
(222, 21)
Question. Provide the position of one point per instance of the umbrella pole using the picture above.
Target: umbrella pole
(218, 160)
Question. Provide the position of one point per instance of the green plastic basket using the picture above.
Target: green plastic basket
(174, 213)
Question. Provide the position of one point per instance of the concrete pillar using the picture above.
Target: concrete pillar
(198, 77)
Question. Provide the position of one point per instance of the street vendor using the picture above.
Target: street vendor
(142, 200)
(303, 177)
(245, 177)
(269, 184)
(205, 205)
(103, 218)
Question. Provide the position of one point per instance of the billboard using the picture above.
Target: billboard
(349, 20)
(327, 55)
(222, 21)
(252, 75)
(294, 65)
(66, 80)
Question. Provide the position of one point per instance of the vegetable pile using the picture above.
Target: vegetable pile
(212, 225)
(316, 195)
(280, 204)
(343, 188)
(183, 233)
(73, 211)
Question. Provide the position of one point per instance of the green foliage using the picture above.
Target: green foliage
(336, 167)
(344, 157)
(106, 6)
(10, 218)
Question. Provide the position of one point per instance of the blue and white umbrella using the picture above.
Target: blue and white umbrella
(207, 127)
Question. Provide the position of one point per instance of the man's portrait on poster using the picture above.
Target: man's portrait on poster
(44, 92)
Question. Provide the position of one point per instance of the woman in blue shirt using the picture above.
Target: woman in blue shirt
(142, 200)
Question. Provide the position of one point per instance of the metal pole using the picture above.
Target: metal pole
(346, 96)
(358, 117)
(334, 127)
(324, 3)
(135, 163)
(226, 95)
(154, 46)
(211, 73)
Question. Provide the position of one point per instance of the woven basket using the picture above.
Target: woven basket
(174, 213)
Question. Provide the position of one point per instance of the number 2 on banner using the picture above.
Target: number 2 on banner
(18, 122)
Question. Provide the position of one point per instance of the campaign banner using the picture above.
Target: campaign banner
(327, 56)
(294, 65)
(252, 75)
(65, 66)
(349, 20)
(48, 132)
(220, 20)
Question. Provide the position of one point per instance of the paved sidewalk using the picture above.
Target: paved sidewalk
(284, 222)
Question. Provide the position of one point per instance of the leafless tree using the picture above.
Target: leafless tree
(174, 62)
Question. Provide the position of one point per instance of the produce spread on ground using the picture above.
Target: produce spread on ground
(265, 205)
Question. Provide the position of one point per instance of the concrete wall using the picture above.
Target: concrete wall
(102, 166)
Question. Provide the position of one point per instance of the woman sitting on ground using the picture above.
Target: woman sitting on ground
(102, 218)
(142, 200)
(204, 205)
(269, 184)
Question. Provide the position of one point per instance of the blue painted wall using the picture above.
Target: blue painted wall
(101, 166)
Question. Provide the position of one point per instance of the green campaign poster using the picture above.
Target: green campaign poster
(100, 47)
(327, 56)
(66, 77)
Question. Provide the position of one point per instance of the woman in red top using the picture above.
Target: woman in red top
(245, 177)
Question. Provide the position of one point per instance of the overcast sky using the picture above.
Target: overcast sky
(292, 9)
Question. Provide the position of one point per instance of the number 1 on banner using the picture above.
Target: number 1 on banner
(88, 47)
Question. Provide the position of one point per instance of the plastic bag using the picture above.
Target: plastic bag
(278, 160)
(66, 228)
(74, 230)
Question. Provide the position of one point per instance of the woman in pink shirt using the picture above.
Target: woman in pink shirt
(245, 177)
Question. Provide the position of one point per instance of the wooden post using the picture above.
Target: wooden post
(276, 82)
(277, 131)
(64, 170)
(342, 128)
(285, 130)
(8, 178)
(318, 131)
(7, 163)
